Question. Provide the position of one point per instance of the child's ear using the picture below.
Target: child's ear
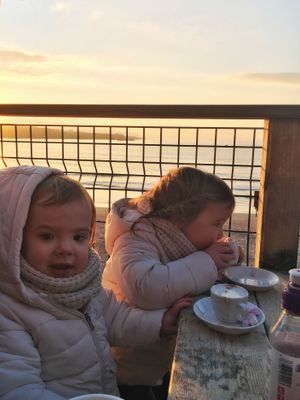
(177, 221)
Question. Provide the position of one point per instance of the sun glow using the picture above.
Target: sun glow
(150, 56)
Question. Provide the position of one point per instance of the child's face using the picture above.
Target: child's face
(207, 227)
(56, 238)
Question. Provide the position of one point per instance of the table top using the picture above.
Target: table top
(217, 366)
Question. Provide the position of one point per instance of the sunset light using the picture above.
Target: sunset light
(180, 52)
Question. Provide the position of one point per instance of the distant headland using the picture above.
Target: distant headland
(40, 132)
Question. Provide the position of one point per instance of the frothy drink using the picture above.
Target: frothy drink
(229, 302)
(230, 291)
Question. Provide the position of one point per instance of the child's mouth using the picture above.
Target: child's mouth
(60, 270)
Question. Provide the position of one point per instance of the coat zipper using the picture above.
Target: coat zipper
(89, 321)
(85, 317)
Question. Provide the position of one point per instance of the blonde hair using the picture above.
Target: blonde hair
(183, 193)
(61, 189)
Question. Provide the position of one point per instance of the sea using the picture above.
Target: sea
(118, 160)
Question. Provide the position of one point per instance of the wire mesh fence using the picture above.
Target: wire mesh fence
(114, 161)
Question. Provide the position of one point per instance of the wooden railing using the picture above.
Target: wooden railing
(279, 194)
(153, 111)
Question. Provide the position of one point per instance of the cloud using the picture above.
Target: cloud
(19, 56)
(281, 77)
(16, 63)
(45, 77)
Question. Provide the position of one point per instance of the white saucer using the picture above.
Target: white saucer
(204, 310)
(252, 278)
(96, 396)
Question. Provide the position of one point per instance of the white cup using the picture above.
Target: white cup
(229, 302)
(96, 396)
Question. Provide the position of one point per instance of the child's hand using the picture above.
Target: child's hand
(241, 258)
(221, 253)
(169, 323)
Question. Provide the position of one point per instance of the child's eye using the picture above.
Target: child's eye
(218, 224)
(46, 236)
(79, 237)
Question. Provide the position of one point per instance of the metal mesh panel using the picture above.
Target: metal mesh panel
(123, 161)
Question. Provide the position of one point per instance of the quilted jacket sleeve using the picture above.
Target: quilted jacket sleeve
(129, 326)
(146, 282)
(20, 365)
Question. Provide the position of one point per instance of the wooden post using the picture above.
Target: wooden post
(279, 196)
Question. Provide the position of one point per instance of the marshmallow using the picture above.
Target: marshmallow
(233, 244)
(252, 317)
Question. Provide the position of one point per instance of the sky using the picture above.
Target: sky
(150, 51)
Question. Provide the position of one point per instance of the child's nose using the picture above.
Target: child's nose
(64, 247)
(220, 234)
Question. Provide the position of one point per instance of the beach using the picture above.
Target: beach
(239, 226)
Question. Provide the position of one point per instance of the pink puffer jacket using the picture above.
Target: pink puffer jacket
(136, 274)
(47, 351)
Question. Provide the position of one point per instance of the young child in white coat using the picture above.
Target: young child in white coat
(163, 245)
(56, 320)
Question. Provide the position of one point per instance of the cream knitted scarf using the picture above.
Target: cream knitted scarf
(176, 245)
(74, 292)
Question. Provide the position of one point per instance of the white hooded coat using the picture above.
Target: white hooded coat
(136, 274)
(48, 351)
